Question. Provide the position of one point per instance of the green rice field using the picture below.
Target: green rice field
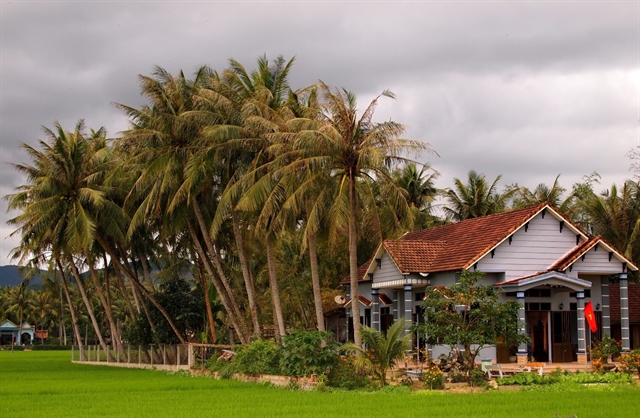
(46, 384)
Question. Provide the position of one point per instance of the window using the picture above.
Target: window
(419, 296)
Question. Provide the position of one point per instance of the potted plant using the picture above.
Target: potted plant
(604, 349)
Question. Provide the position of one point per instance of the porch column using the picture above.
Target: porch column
(522, 347)
(624, 312)
(582, 346)
(348, 312)
(375, 309)
(396, 304)
(408, 303)
(606, 313)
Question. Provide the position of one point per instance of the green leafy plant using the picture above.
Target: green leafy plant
(308, 352)
(345, 376)
(630, 362)
(605, 348)
(259, 357)
(433, 378)
(382, 351)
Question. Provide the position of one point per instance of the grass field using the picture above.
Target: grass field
(46, 384)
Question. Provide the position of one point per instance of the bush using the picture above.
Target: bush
(344, 375)
(308, 352)
(50, 347)
(225, 368)
(529, 379)
(433, 378)
(607, 347)
(630, 362)
(259, 357)
(478, 378)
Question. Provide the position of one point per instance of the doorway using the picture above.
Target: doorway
(562, 326)
(539, 335)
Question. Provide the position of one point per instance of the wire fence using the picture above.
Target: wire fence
(161, 356)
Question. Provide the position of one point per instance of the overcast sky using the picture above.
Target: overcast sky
(528, 90)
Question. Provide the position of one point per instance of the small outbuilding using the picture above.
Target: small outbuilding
(11, 332)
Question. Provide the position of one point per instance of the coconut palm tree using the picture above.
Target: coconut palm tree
(476, 198)
(160, 144)
(246, 107)
(61, 201)
(421, 193)
(345, 154)
(615, 215)
(553, 195)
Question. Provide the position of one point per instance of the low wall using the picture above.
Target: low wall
(164, 367)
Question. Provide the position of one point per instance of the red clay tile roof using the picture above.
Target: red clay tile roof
(384, 299)
(518, 279)
(414, 256)
(366, 302)
(462, 244)
(362, 274)
(634, 303)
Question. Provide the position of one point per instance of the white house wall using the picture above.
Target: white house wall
(387, 271)
(487, 352)
(532, 251)
(597, 261)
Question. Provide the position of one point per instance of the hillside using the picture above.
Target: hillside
(10, 276)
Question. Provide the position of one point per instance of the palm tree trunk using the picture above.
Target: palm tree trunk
(218, 284)
(273, 285)
(125, 292)
(146, 271)
(72, 310)
(141, 288)
(242, 331)
(207, 301)
(87, 304)
(315, 280)
(248, 280)
(106, 305)
(353, 261)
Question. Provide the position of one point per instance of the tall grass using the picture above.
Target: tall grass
(46, 384)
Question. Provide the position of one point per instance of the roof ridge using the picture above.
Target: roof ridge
(537, 207)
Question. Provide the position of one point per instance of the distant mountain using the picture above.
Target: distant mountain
(11, 276)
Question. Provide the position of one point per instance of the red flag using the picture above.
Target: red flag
(590, 317)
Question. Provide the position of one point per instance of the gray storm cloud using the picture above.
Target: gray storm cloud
(525, 90)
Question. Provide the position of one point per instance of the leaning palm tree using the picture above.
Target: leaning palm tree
(476, 198)
(382, 351)
(60, 203)
(247, 108)
(345, 154)
(159, 146)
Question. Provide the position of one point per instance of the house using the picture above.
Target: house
(10, 331)
(535, 256)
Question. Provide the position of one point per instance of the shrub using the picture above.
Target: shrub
(433, 378)
(478, 378)
(225, 368)
(259, 357)
(605, 348)
(308, 352)
(50, 347)
(630, 362)
(344, 375)
(530, 379)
